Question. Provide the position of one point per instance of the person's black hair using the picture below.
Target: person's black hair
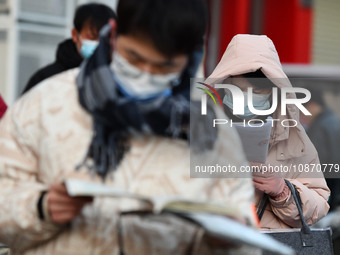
(259, 80)
(316, 96)
(173, 26)
(96, 15)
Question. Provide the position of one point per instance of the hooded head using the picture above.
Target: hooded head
(257, 54)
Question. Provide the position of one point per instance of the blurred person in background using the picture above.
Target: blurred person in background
(3, 107)
(88, 20)
(247, 59)
(128, 119)
(323, 128)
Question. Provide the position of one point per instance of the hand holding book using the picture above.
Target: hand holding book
(214, 218)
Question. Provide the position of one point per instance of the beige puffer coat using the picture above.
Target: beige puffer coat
(288, 146)
(47, 133)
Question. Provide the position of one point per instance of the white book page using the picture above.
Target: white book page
(216, 225)
(78, 187)
(230, 230)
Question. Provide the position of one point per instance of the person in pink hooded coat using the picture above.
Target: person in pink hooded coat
(256, 56)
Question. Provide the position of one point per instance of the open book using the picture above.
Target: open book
(76, 187)
(212, 217)
(255, 139)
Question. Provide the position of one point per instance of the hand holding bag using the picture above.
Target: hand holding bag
(309, 241)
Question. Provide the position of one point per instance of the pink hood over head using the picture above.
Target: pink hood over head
(249, 53)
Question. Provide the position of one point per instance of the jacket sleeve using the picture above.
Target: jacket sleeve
(314, 194)
(20, 226)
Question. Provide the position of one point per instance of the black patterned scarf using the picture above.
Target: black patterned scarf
(115, 117)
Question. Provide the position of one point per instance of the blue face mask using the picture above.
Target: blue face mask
(88, 47)
(141, 86)
(260, 102)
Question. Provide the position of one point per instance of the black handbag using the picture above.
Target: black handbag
(309, 241)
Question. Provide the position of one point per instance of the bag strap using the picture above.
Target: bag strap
(305, 228)
(262, 206)
(120, 235)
